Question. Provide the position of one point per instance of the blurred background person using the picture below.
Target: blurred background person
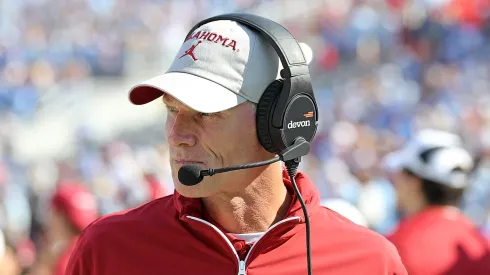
(430, 176)
(382, 71)
(73, 208)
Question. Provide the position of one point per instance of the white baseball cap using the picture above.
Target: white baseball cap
(445, 154)
(219, 66)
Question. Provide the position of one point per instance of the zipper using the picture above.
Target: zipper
(241, 264)
(241, 268)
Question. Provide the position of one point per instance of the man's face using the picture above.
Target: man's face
(56, 226)
(213, 141)
(407, 188)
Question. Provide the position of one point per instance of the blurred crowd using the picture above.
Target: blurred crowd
(382, 69)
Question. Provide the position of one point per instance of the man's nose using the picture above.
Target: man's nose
(181, 133)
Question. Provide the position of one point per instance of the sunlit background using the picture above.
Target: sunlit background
(381, 69)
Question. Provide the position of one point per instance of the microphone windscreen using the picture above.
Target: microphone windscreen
(190, 175)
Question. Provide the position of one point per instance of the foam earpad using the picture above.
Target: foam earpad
(264, 113)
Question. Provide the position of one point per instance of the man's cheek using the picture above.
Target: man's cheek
(168, 127)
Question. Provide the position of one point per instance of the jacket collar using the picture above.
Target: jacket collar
(194, 207)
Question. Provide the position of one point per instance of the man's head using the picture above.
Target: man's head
(432, 169)
(210, 89)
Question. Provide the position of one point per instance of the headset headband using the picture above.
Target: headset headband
(283, 42)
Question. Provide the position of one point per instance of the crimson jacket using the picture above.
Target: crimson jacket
(441, 240)
(173, 235)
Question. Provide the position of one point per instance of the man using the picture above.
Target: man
(241, 222)
(430, 175)
(73, 207)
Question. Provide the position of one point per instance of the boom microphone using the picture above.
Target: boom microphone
(191, 174)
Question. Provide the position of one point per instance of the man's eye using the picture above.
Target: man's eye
(218, 114)
(171, 109)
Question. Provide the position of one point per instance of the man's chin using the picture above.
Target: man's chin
(200, 190)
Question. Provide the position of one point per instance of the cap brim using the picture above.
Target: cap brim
(196, 92)
(395, 161)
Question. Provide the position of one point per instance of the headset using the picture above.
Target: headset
(287, 112)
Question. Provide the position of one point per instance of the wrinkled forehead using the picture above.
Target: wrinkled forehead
(170, 100)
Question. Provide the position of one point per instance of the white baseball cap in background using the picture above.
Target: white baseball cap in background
(221, 65)
(426, 138)
(448, 154)
(345, 209)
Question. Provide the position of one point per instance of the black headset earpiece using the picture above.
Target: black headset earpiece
(264, 115)
(287, 108)
(297, 119)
